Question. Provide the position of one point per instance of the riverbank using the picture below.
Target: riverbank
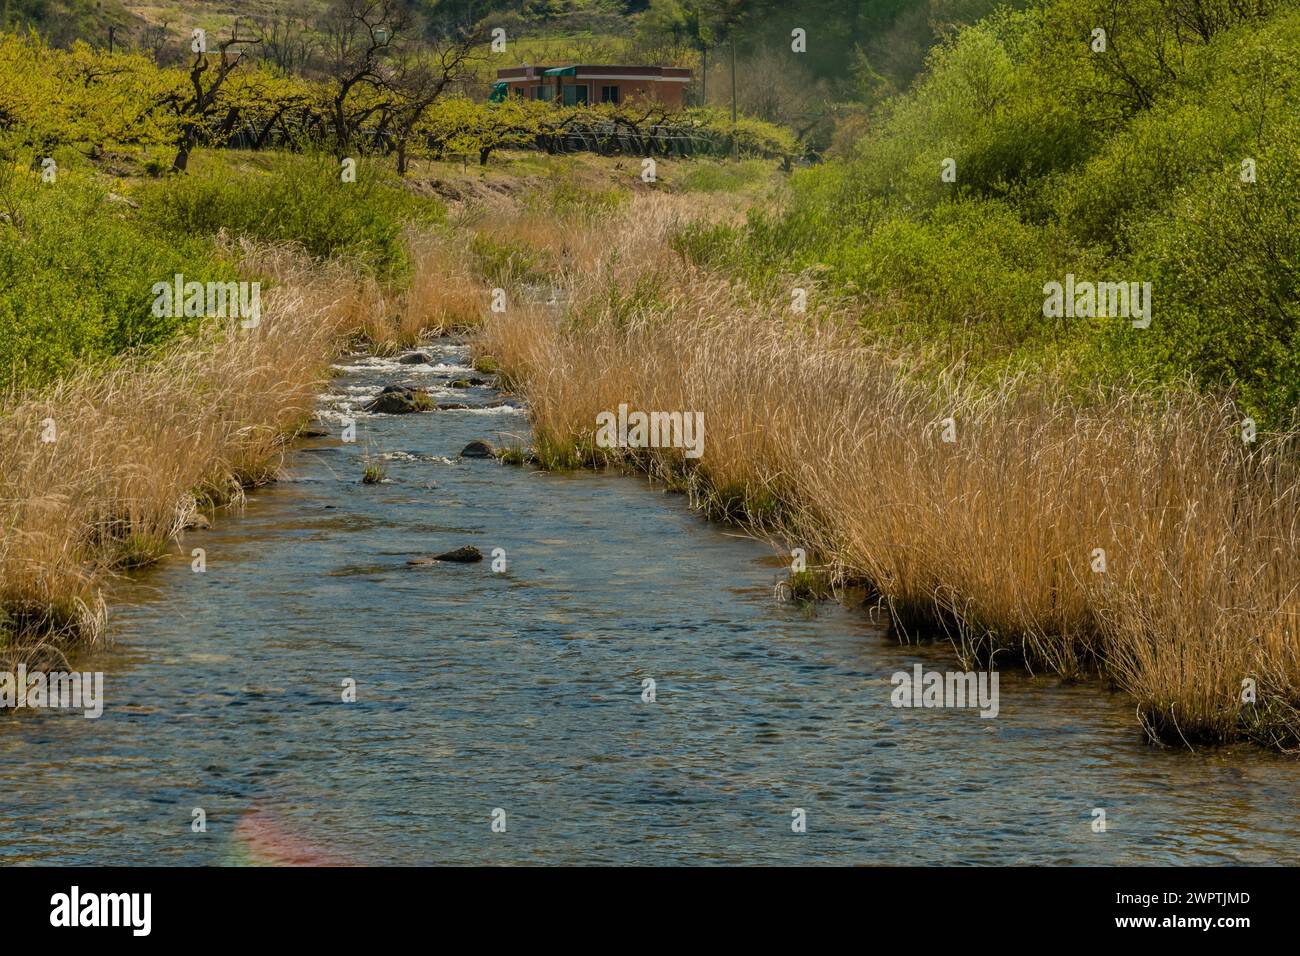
(1130, 535)
(1127, 535)
(105, 469)
(119, 433)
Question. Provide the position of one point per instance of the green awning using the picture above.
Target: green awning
(500, 90)
(561, 71)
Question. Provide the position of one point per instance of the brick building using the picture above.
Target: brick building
(572, 85)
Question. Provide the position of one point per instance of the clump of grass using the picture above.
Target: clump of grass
(504, 262)
(808, 585)
(374, 472)
(443, 297)
(516, 454)
(717, 176)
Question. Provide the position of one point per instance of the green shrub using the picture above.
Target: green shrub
(1224, 260)
(294, 198)
(76, 277)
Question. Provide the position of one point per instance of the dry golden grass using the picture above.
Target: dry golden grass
(443, 297)
(994, 536)
(138, 447)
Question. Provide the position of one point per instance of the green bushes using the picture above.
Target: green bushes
(78, 263)
(969, 277)
(1225, 262)
(302, 199)
(748, 136)
(76, 274)
(1122, 163)
(1234, 99)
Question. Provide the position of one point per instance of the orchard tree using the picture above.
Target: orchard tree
(195, 104)
(423, 74)
(358, 35)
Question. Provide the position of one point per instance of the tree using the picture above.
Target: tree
(287, 40)
(195, 108)
(422, 76)
(358, 34)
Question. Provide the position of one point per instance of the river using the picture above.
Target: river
(521, 691)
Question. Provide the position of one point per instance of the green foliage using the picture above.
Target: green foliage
(721, 177)
(80, 96)
(76, 274)
(302, 199)
(461, 127)
(1224, 257)
(62, 21)
(1116, 165)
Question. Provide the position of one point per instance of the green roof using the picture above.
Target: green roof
(561, 71)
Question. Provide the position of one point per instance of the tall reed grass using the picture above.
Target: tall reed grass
(102, 470)
(1126, 532)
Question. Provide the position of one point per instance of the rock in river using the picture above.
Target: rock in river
(466, 555)
(477, 449)
(415, 358)
(399, 400)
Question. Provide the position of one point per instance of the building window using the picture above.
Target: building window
(543, 92)
(573, 95)
(609, 94)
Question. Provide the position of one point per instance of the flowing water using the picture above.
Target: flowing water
(521, 691)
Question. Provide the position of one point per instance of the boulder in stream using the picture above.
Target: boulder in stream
(477, 449)
(466, 555)
(400, 400)
(415, 358)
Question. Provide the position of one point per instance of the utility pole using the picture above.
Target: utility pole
(735, 145)
(733, 79)
(111, 30)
